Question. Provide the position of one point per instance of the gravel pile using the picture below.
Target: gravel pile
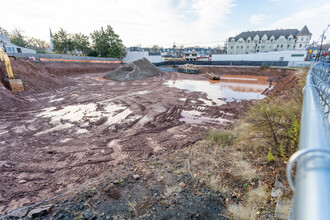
(139, 69)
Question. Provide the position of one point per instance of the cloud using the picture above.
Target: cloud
(257, 19)
(316, 19)
(144, 22)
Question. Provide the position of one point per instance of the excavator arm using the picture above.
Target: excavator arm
(16, 85)
(4, 57)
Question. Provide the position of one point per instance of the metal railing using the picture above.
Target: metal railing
(312, 184)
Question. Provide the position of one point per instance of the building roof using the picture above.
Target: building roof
(276, 33)
(304, 31)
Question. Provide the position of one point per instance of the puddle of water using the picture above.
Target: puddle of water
(56, 100)
(229, 88)
(84, 114)
(142, 92)
(193, 117)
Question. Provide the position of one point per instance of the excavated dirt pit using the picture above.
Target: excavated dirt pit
(93, 127)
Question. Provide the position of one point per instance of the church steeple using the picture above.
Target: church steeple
(51, 46)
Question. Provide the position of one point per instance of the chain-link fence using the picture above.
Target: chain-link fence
(312, 185)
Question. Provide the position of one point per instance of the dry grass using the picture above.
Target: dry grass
(253, 201)
(244, 170)
(240, 212)
(257, 197)
(171, 192)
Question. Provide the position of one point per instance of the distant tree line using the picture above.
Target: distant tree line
(18, 38)
(104, 43)
(100, 43)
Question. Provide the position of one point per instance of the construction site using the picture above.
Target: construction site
(100, 140)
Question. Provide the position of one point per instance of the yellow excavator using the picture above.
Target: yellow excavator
(16, 85)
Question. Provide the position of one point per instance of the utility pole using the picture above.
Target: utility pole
(322, 37)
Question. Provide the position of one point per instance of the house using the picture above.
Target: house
(190, 55)
(12, 48)
(270, 40)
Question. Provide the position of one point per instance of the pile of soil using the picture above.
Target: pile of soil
(39, 76)
(139, 69)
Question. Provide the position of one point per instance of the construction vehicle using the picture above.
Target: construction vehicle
(16, 85)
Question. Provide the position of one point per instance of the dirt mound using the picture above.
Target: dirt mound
(8, 100)
(139, 69)
(40, 76)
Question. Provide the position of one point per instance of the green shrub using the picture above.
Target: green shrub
(223, 137)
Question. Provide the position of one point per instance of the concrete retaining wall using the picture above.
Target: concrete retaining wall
(293, 55)
(136, 55)
(60, 56)
(225, 63)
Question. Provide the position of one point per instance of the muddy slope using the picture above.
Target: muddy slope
(40, 76)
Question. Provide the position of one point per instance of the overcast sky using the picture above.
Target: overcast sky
(161, 22)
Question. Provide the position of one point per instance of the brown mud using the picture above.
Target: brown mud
(70, 127)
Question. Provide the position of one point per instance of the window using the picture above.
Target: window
(294, 46)
(231, 47)
(237, 47)
(9, 50)
(247, 47)
(282, 46)
(289, 39)
(263, 41)
(271, 40)
(278, 46)
(241, 47)
(300, 45)
(288, 46)
(19, 50)
(248, 41)
(262, 47)
(302, 39)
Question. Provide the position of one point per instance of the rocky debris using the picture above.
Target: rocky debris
(280, 185)
(182, 184)
(282, 209)
(278, 190)
(190, 66)
(136, 176)
(39, 211)
(88, 214)
(7, 165)
(139, 69)
(19, 213)
(22, 181)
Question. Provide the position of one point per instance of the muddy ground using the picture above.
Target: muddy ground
(82, 128)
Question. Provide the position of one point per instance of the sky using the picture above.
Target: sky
(163, 22)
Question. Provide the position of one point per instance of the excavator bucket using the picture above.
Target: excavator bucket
(16, 85)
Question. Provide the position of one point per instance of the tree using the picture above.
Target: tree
(4, 31)
(81, 43)
(155, 49)
(62, 42)
(37, 44)
(107, 43)
(17, 37)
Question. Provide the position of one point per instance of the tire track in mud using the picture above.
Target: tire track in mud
(154, 125)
